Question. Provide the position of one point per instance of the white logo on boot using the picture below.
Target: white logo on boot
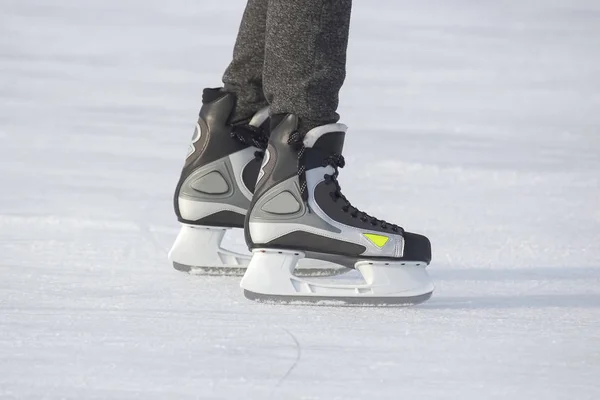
(197, 135)
(261, 173)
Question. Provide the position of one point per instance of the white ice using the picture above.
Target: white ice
(475, 122)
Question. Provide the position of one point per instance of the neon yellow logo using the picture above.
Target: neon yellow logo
(377, 240)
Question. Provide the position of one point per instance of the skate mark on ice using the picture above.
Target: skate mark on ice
(146, 230)
(538, 273)
(294, 364)
(515, 301)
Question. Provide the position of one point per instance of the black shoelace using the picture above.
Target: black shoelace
(248, 134)
(336, 161)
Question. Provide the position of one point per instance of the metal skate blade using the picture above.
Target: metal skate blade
(239, 270)
(222, 270)
(363, 301)
(304, 272)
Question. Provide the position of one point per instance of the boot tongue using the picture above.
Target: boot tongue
(259, 118)
(282, 125)
(327, 138)
(217, 107)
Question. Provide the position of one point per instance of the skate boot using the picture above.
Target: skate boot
(216, 187)
(299, 212)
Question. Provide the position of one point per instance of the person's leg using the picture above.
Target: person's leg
(298, 209)
(305, 58)
(217, 180)
(244, 75)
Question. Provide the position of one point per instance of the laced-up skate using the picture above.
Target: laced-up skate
(298, 212)
(216, 187)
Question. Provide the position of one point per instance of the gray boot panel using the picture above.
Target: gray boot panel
(283, 203)
(211, 183)
(214, 183)
(298, 212)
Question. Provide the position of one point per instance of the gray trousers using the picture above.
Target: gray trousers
(290, 55)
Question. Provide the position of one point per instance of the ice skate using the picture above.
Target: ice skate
(299, 212)
(216, 186)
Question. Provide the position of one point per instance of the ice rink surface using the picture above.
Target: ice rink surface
(475, 122)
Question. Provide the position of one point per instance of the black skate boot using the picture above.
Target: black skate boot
(216, 185)
(298, 211)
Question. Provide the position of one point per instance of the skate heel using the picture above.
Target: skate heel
(271, 271)
(197, 249)
(270, 277)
